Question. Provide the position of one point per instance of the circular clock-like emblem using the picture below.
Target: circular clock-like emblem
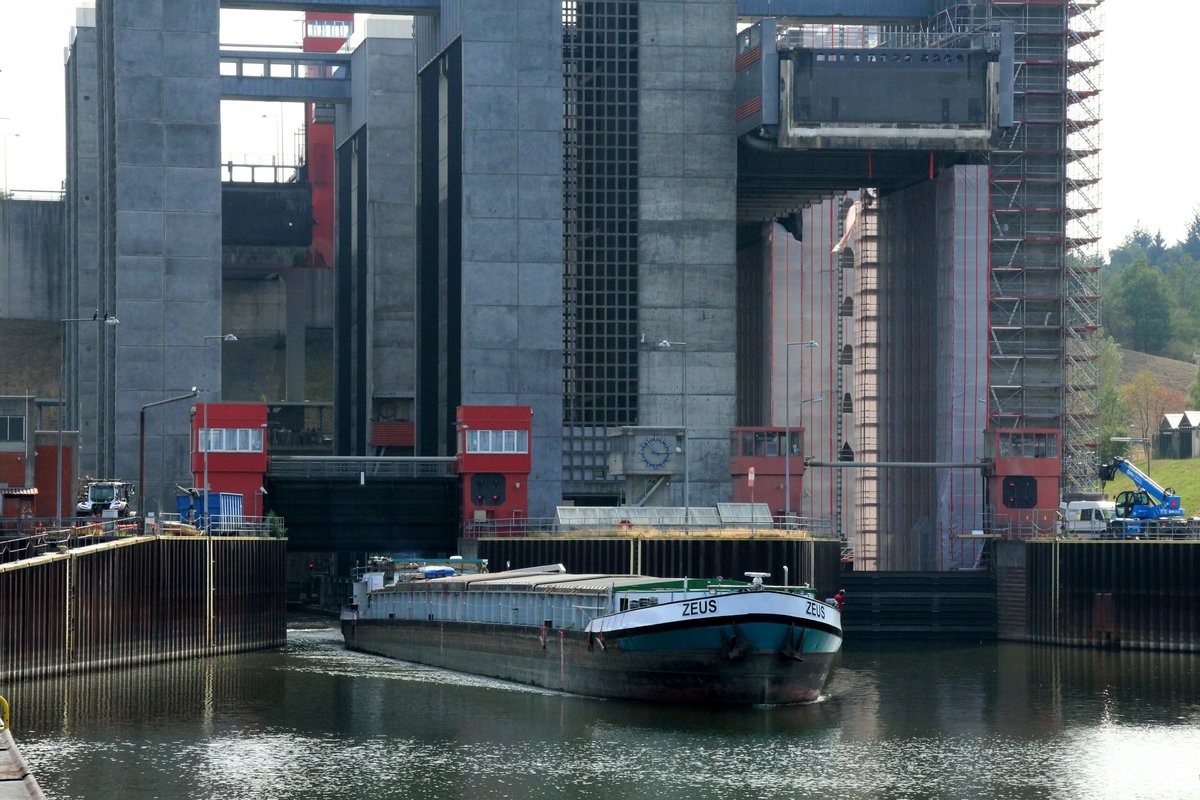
(655, 452)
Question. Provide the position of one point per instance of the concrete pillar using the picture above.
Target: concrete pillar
(377, 255)
(160, 211)
(83, 237)
(687, 174)
(506, 287)
(512, 223)
(296, 289)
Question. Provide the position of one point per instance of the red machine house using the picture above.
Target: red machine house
(1023, 487)
(233, 436)
(775, 470)
(494, 462)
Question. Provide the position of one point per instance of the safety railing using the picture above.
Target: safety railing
(361, 467)
(29, 538)
(806, 527)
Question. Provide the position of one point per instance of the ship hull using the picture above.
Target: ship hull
(747, 661)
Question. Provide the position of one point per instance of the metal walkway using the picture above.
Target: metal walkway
(285, 76)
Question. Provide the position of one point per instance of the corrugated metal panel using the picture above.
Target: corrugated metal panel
(392, 434)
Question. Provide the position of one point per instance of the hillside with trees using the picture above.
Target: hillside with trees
(1150, 301)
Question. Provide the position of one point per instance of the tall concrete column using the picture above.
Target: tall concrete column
(512, 222)
(377, 254)
(506, 289)
(160, 211)
(687, 168)
(82, 200)
(296, 303)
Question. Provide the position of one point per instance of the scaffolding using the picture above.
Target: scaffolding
(1044, 305)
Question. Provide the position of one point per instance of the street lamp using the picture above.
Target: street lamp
(206, 439)
(142, 441)
(110, 321)
(787, 421)
(668, 345)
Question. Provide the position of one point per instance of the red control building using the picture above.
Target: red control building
(764, 450)
(1023, 486)
(494, 462)
(234, 436)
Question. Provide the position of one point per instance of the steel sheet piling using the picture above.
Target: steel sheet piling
(140, 599)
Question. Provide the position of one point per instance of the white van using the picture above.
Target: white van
(1086, 517)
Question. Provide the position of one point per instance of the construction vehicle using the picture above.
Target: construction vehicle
(1149, 508)
(108, 499)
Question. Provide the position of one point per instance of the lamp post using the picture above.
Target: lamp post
(142, 441)
(105, 319)
(205, 439)
(787, 422)
(668, 345)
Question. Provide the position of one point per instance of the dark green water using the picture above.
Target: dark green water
(913, 720)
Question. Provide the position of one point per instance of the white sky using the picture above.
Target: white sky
(1148, 111)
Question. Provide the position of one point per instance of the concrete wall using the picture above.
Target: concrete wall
(31, 256)
(687, 270)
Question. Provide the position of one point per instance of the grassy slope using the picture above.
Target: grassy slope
(1181, 475)
(1170, 373)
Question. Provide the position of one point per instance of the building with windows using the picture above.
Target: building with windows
(230, 451)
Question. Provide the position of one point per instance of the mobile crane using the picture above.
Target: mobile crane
(1149, 506)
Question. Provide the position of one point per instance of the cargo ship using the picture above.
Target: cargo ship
(629, 637)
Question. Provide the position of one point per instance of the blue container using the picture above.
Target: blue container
(224, 511)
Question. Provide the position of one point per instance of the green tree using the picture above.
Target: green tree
(1148, 400)
(1191, 241)
(1115, 415)
(1138, 309)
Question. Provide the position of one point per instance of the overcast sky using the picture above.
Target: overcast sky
(1147, 104)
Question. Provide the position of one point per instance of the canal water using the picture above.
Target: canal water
(912, 720)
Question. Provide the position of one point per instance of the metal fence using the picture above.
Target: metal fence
(800, 527)
(361, 467)
(27, 538)
(1164, 530)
